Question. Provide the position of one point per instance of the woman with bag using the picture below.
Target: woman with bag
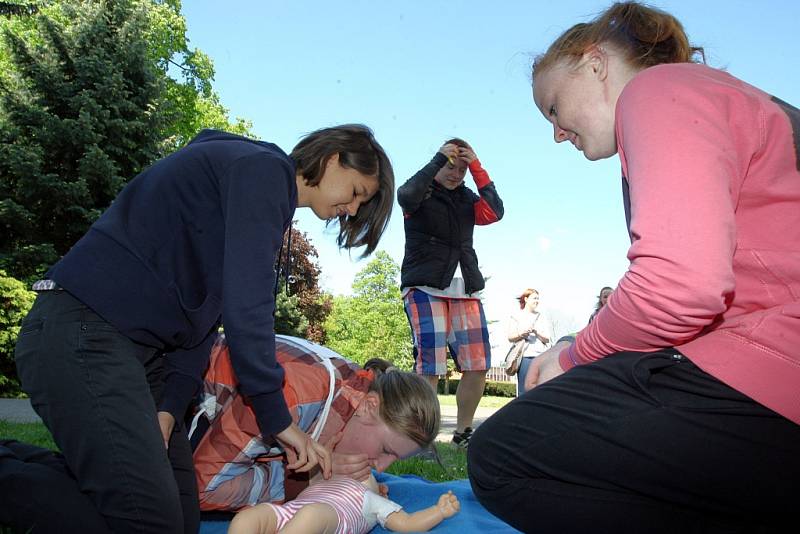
(533, 330)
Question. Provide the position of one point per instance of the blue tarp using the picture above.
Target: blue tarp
(415, 493)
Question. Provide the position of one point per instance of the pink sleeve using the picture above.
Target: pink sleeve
(683, 169)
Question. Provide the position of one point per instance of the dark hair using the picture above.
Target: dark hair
(357, 149)
(646, 35)
(600, 298)
(378, 365)
(458, 142)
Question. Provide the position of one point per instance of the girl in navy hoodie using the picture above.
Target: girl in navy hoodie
(189, 243)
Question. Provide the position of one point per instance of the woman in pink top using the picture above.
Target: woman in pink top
(678, 408)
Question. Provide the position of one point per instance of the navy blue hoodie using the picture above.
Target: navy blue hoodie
(190, 242)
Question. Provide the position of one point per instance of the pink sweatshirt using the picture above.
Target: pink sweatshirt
(713, 171)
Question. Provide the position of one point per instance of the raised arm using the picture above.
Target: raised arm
(411, 194)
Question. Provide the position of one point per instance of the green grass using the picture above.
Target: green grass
(34, 433)
(486, 402)
(454, 465)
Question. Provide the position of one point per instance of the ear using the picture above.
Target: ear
(596, 60)
(369, 408)
(333, 160)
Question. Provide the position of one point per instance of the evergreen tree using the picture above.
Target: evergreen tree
(86, 102)
(289, 319)
(77, 121)
(19, 9)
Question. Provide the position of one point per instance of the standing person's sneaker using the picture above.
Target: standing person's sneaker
(461, 439)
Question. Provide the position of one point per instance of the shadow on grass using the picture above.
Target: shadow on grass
(454, 465)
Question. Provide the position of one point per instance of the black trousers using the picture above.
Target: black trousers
(637, 443)
(96, 391)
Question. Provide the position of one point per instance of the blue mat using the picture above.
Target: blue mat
(415, 493)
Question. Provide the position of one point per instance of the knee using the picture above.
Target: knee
(478, 454)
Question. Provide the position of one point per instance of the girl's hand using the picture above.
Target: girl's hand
(303, 452)
(467, 154)
(451, 152)
(545, 366)
(355, 466)
(167, 423)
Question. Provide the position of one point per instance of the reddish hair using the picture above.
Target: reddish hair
(646, 35)
(525, 294)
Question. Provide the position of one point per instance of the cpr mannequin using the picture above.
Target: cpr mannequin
(341, 506)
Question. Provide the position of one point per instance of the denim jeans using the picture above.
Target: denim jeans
(96, 391)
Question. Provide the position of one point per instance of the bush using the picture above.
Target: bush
(501, 389)
(15, 301)
(492, 389)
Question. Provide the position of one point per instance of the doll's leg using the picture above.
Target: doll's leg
(317, 518)
(260, 519)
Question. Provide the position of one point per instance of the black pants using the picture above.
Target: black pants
(96, 391)
(637, 443)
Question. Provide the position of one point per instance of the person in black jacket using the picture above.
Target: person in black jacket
(189, 243)
(445, 310)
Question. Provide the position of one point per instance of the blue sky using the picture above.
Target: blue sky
(419, 72)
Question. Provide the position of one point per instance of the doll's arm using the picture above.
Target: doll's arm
(426, 519)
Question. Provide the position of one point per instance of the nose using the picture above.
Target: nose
(559, 135)
(352, 208)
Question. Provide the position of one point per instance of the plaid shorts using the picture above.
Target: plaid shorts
(439, 323)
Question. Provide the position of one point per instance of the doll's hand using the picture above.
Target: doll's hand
(383, 490)
(448, 504)
(303, 452)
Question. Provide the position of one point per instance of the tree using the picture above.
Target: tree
(372, 322)
(303, 286)
(8, 9)
(15, 301)
(86, 102)
(289, 319)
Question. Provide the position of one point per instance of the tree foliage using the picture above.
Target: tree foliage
(15, 301)
(372, 321)
(289, 319)
(18, 9)
(303, 286)
(87, 100)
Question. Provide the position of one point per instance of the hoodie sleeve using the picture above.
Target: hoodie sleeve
(183, 376)
(258, 200)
